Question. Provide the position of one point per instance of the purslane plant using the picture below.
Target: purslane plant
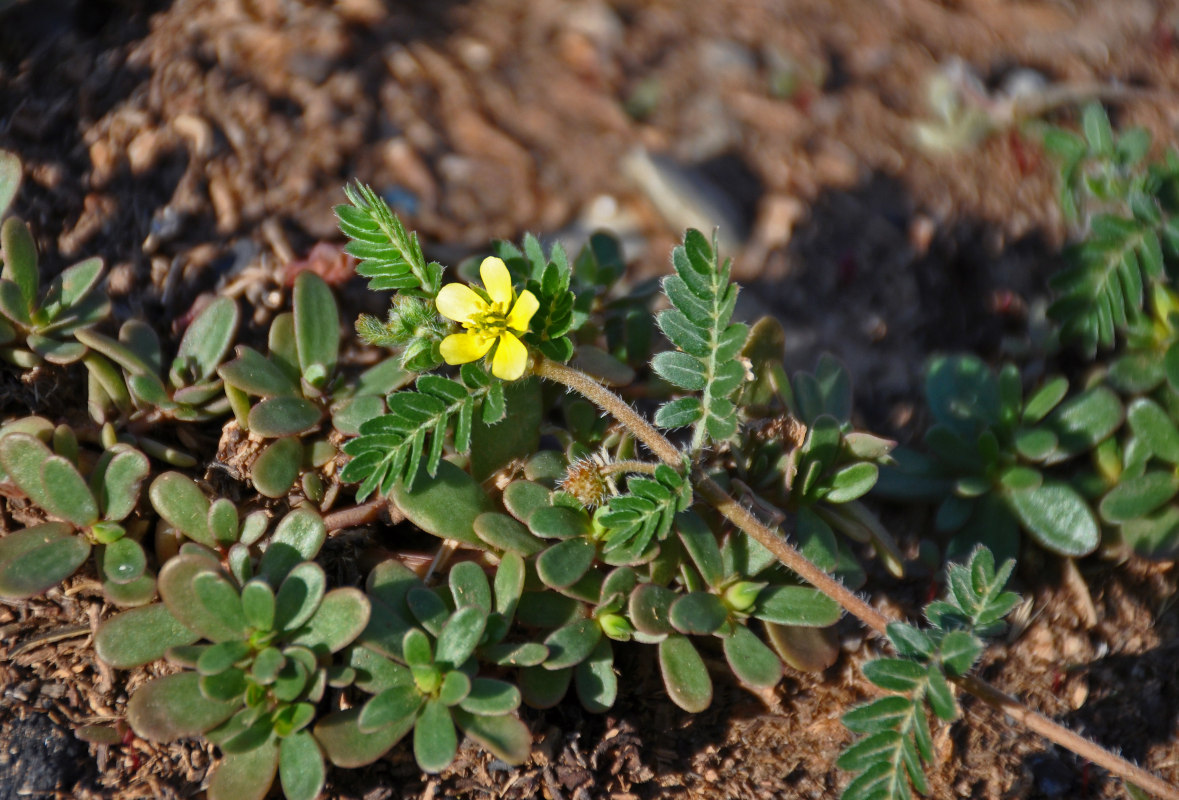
(563, 534)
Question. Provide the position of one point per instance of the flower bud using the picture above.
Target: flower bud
(616, 626)
(742, 595)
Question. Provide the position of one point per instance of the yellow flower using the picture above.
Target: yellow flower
(488, 322)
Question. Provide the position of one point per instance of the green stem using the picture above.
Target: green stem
(773, 541)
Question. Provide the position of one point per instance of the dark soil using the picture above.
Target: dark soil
(199, 146)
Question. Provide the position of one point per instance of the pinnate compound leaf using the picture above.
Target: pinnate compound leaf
(895, 674)
(699, 325)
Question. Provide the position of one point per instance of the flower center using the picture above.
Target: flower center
(490, 323)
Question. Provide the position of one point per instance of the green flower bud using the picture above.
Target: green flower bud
(742, 595)
(107, 532)
(616, 627)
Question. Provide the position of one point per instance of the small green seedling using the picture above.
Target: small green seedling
(430, 679)
(84, 515)
(267, 658)
(135, 393)
(989, 457)
(36, 327)
(297, 387)
(897, 740)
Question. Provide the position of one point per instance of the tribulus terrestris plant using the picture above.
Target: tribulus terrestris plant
(567, 523)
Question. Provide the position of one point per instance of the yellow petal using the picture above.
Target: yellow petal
(459, 302)
(511, 357)
(521, 313)
(459, 348)
(497, 280)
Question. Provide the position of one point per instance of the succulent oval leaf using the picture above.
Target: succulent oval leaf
(177, 590)
(277, 467)
(254, 374)
(299, 595)
(1151, 424)
(317, 328)
(559, 522)
(396, 705)
(259, 605)
(10, 175)
(67, 495)
(491, 697)
(183, 505)
(805, 649)
(751, 660)
(460, 636)
(565, 563)
(455, 686)
(571, 644)
(522, 498)
(340, 618)
(505, 737)
(684, 674)
(542, 687)
(347, 746)
(1083, 421)
(649, 608)
(698, 613)
(445, 505)
(122, 561)
(20, 261)
(301, 770)
(140, 635)
(1138, 496)
(220, 599)
(117, 482)
(21, 455)
(700, 542)
(469, 585)
(1057, 517)
(173, 707)
(205, 342)
(297, 538)
(136, 592)
(38, 558)
(273, 417)
(506, 534)
(595, 680)
(245, 774)
(434, 739)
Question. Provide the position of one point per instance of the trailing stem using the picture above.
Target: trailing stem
(719, 499)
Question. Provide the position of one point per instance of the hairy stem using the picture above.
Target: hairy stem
(773, 541)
